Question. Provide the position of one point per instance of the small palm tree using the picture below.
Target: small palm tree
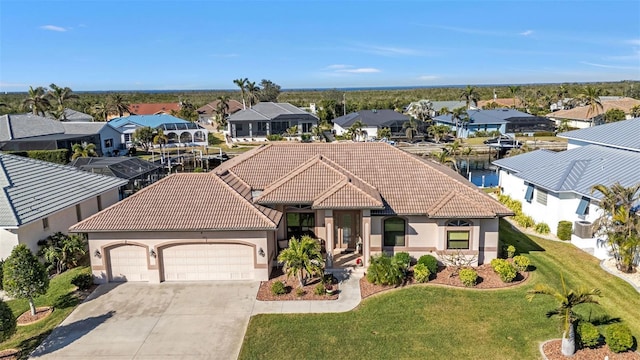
(302, 257)
(242, 83)
(635, 111)
(459, 116)
(591, 97)
(292, 131)
(443, 157)
(253, 91)
(567, 301)
(83, 150)
(469, 95)
(411, 127)
(222, 109)
(356, 130)
(467, 152)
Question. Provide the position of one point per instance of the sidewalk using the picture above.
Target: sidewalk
(348, 299)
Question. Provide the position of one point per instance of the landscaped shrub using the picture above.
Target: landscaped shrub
(511, 250)
(7, 322)
(542, 228)
(277, 288)
(421, 273)
(521, 262)
(468, 277)
(504, 269)
(300, 292)
(305, 137)
(588, 334)
(430, 262)
(60, 156)
(525, 221)
(403, 259)
(82, 281)
(384, 270)
(320, 289)
(274, 137)
(618, 337)
(564, 230)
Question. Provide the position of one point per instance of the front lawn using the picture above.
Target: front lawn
(61, 296)
(443, 323)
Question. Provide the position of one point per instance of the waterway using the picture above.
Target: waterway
(480, 171)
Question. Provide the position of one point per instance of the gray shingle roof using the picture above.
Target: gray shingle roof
(73, 115)
(575, 170)
(622, 134)
(268, 111)
(83, 128)
(19, 126)
(382, 117)
(34, 189)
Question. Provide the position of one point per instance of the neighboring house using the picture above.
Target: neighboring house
(438, 106)
(231, 223)
(506, 121)
(73, 115)
(41, 198)
(209, 112)
(266, 118)
(373, 120)
(555, 186)
(178, 131)
(580, 117)
(500, 103)
(139, 173)
(153, 109)
(25, 132)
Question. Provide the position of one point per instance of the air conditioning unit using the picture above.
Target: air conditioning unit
(583, 229)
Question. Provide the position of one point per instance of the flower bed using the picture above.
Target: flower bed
(291, 284)
(552, 351)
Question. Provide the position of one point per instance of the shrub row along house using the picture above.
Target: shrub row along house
(556, 186)
(231, 223)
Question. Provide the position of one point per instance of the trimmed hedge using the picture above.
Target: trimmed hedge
(60, 156)
(421, 273)
(384, 270)
(525, 221)
(430, 262)
(588, 334)
(274, 137)
(278, 288)
(504, 269)
(618, 337)
(542, 228)
(521, 262)
(564, 230)
(469, 277)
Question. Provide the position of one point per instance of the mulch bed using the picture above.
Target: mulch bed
(28, 319)
(487, 279)
(552, 350)
(291, 284)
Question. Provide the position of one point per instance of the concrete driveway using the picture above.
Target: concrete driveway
(149, 321)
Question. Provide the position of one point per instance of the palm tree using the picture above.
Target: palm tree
(561, 93)
(458, 116)
(118, 104)
(61, 96)
(300, 257)
(222, 109)
(242, 83)
(591, 97)
(100, 111)
(514, 90)
(620, 222)
(438, 131)
(253, 92)
(411, 127)
(467, 152)
(83, 150)
(635, 111)
(521, 150)
(421, 110)
(470, 95)
(356, 130)
(443, 157)
(567, 301)
(37, 101)
(454, 147)
(292, 131)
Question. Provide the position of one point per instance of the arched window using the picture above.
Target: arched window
(394, 232)
(458, 238)
(458, 222)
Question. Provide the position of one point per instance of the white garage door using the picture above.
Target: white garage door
(208, 262)
(128, 263)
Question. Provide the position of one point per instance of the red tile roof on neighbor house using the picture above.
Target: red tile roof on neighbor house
(153, 109)
(374, 176)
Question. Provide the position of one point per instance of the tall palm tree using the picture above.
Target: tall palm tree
(222, 109)
(356, 130)
(61, 96)
(469, 95)
(37, 101)
(100, 111)
(83, 150)
(118, 104)
(620, 222)
(411, 127)
(514, 90)
(421, 110)
(444, 157)
(561, 93)
(467, 152)
(300, 257)
(458, 116)
(253, 91)
(438, 131)
(591, 97)
(242, 83)
(567, 301)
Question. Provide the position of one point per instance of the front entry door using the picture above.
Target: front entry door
(347, 229)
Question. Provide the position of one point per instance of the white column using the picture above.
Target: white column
(366, 236)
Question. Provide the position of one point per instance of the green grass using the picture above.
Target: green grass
(443, 323)
(60, 296)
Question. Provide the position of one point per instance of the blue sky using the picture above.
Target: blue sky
(138, 45)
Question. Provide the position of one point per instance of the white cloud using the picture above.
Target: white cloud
(427, 77)
(53, 28)
(338, 67)
(526, 33)
(361, 70)
(389, 50)
(350, 69)
(634, 42)
(609, 66)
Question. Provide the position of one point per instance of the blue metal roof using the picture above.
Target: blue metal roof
(622, 134)
(152, 121)
(575, 170)
(481, 117)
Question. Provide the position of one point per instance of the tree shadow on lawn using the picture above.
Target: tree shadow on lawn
(62, 336)
(510, 235)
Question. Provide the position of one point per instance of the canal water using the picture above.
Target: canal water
(480, 171)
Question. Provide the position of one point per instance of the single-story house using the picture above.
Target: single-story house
(232, 222)
(41, 198)
(581, 117)
(178, 131)
(22, 132)
(139, 173)
(373, 120)
(208, 112)
(555, 186)
(266, 118)
(500, 103)
(506, 121)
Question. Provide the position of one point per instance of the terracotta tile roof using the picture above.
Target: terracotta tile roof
(211, 108)
(504, 102)
(454, 204)
(580, 113)
(153, 109)
(346, 195)
(406, 183)
(183, 201)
